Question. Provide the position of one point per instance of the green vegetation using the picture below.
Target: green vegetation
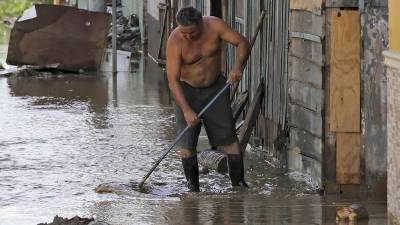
(13, 8)
(4, 34)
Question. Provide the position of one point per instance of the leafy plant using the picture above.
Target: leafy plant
(13, 8)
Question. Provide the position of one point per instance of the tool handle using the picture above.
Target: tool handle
(180, 136)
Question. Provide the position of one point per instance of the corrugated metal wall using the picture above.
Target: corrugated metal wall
(268, 58)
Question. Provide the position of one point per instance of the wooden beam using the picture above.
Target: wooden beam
(251, 117)
(314, 6)
(348, 158)
(239, 104)
(341, 3)
(345, 66)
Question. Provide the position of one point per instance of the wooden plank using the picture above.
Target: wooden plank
(341, 3)
(307, 5)
(308, 144)
(348, 158)
(329, 139)
(345, 71)
(305, 95)
(239, 104)
(308, 50)
(307, 22)
(306, 36)
(305, 119)
(305, 72)
(251, 117)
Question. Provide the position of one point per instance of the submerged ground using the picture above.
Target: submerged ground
(64, 135)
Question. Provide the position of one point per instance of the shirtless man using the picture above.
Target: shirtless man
(194, 77)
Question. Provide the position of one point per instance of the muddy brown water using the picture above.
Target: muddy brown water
(64, 135)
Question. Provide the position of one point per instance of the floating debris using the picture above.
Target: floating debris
(352, 213)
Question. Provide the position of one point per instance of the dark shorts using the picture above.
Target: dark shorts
(218, 119)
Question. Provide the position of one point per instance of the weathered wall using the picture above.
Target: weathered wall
(392, 61)
(152, 8)
(394, 7)
(309, 80)
(130, 7)
(374, 23)
(393, 130)
(153, 24)
(305, 88)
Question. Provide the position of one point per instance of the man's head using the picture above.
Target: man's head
(189, 20)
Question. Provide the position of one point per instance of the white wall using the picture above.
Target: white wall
(152, 8)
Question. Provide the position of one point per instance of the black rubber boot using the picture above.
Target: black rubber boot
(191, 169)
(236, 170)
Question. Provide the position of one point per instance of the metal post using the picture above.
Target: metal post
(114, 37)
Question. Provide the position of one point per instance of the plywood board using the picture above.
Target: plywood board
(307, 5)
(345, 71)
(348, 158)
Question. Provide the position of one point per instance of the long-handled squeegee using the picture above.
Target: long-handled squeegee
(179, 137)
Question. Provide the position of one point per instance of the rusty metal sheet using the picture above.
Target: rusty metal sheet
(72, 37)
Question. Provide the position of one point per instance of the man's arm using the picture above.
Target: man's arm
(242, 47)
(173, 75)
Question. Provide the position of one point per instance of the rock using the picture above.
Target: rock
(73, 221)
(351, 213)
(104, 188)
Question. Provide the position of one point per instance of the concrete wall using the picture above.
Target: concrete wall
(393, 128)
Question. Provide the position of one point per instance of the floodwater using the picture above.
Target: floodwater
(64, 135)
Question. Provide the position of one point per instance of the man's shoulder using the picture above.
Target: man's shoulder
(215, 23)
(174, 37)
(213, 19)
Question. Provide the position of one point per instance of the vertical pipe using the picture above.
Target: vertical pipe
(114, 37)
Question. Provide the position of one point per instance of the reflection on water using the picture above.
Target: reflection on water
(64, 135)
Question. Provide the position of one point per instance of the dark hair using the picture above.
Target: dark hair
(187, 16)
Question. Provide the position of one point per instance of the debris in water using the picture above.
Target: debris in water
(73, 221)
(103, 188)
(352, 213)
